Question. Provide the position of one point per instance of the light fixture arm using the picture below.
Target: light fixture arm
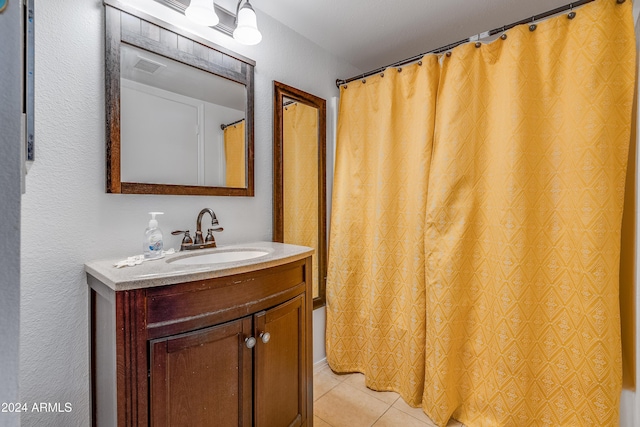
(235, 21)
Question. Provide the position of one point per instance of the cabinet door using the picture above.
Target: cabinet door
(280, 379)
(202, 378)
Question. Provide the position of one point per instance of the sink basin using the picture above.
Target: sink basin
(231, 255)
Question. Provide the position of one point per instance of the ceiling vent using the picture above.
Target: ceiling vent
(148, 66)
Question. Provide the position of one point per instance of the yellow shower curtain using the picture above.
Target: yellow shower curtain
(375, 284)
(515, 312)
(234, 154)
(300, 163)
(523, 224)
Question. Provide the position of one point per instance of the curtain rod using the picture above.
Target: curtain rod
(485, 34)
(223, 127)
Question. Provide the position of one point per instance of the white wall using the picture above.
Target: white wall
(67, 219)
(10, 168)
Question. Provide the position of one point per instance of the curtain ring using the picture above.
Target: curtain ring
(420, 63)
(478, 44)
(364, 80)
(448, 54)
(571, 14)
(345, 86)
(399, 69)
(503, 36)
(381, 74)
(532, 27)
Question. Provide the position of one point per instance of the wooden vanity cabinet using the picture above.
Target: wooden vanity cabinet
(280, 382)
(228, 351)
(202, 376)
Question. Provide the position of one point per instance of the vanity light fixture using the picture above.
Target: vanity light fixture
(243, 27)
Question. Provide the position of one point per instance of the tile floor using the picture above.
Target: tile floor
(344, 401)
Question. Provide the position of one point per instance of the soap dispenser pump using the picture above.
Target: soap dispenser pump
(153, 242)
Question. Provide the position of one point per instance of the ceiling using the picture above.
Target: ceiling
(373, 33)
(182, 79)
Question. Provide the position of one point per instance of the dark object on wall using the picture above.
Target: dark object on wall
(28, 78)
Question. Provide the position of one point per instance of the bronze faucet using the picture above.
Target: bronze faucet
(209, 241)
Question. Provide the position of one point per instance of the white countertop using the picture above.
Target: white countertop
(162, 272)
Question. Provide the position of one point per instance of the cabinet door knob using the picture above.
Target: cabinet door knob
(250, 342)
(265, 336)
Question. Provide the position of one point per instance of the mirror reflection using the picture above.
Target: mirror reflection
(180, 125)
(179, 110)
(299, 182)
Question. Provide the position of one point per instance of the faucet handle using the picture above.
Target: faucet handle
(187, 240)
(210, 237)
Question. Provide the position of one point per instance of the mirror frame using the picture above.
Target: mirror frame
(125, 24)
(282, 91)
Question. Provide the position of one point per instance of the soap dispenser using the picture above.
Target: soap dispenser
(153, 243)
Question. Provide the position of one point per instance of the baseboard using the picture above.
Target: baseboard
(320, 364)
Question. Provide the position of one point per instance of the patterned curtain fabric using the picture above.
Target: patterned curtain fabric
(376, 287)
(522, 220)
(235, 156)
(523, 224)
(300, 163)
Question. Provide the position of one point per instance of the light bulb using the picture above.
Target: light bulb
(246, 31)
(202, 12)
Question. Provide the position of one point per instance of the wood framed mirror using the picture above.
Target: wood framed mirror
(179, 110)
(299, 176)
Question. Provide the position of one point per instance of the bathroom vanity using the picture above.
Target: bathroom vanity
(179, 342)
